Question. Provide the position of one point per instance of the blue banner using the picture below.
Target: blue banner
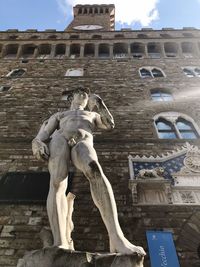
(161, 249)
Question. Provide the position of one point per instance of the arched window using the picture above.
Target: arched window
(186, 129)
(151, 72)
(16, 73)
(145, 73)
(165, 129)
(160, 95)
(157, 73)
(192, 71)
(172, 125)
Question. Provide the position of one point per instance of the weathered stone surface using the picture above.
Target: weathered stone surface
(57, 257)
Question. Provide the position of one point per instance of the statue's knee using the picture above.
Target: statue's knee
(59, 184)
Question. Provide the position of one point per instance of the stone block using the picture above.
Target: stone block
(57, 257)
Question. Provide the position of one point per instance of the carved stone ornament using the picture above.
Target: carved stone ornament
(192, 159)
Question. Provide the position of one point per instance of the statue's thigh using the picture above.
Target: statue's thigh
(83, 154)
(59, 157)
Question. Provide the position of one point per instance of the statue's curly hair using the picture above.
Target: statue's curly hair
(70, 93)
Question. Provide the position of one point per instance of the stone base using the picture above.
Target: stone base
(57, 257)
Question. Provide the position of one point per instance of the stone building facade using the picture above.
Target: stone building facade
(150, 81)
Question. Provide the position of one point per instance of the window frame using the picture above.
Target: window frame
(150, 69)
(173, 117)
(12, 71)
(161, 93)
(192, 69)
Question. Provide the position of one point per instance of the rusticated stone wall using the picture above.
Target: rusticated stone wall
(37, 94)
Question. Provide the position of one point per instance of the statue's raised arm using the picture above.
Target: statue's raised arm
(96, 103)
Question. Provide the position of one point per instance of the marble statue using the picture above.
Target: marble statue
(67, 136)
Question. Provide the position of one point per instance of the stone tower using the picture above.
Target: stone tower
(150, 81)
(93, 17)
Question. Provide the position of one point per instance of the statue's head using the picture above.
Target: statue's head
(79, 96)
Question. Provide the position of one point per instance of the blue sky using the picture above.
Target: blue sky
(56, 14)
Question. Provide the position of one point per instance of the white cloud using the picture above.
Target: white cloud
(126, 11)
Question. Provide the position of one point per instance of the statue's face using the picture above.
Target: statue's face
(80, 99)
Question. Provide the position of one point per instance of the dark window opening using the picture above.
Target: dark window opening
(120, 50)
(75, 50)
(101, 10)
(119, 36)
(90, 11)
(28, 50)
(12, 37)
(80, 11)
(52, 36)
(85, 11)
(4, 88)
(44, 50)
(165, 35)
(34, 37)
(153, 50)
(74, 36)
(96, 10)
(107, 11)
(187, 49)
(171, 49)
(11, 50)
(16, 73)
(141, 35)
(60, 50)
(26, 187)
(96, 36)
(104, 50)
(89, 50)
(137, 50)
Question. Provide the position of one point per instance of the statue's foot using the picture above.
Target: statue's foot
(125, 247)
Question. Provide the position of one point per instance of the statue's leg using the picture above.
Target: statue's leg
(70, 225)
(57, 207)
(84, 158)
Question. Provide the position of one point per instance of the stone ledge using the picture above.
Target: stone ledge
(57, 257)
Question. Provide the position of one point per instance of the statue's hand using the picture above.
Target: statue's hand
(40, 149)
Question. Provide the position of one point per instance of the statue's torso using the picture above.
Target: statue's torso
(77, 123)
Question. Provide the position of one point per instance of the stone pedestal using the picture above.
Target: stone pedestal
(57, 257)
